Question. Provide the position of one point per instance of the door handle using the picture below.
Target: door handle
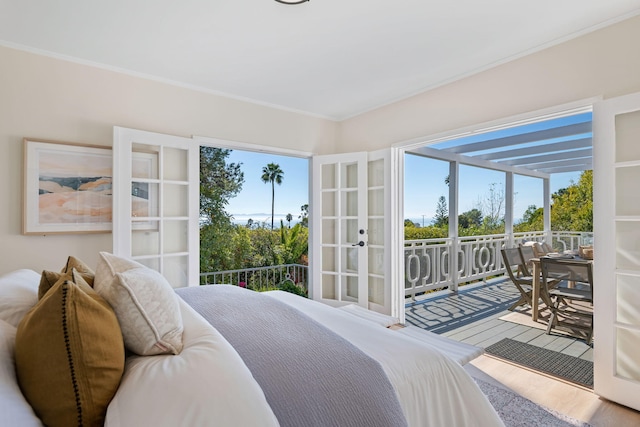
(360, 243)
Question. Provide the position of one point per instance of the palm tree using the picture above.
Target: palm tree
(289, 218)
(273, 174)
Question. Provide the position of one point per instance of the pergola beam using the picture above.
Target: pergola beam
(472, 161)
(564, 155)
(573, 144)
(585, 163)
(576, 168)
(524, 138)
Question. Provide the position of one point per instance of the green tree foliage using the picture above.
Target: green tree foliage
(273, 174)
(304, 215)
(265, 250)
(219, 182)
(291, 287)
(492, 207)
(429, 232)
(469, 219)
(532, 220)
(571, 208)
(295, 244)
(441, 217)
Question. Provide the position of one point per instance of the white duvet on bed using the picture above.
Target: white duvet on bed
(433, 390)
(207, 384)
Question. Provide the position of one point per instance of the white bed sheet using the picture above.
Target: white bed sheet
(433, 389)
(460, 352)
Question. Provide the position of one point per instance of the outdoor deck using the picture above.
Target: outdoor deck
(474, 316)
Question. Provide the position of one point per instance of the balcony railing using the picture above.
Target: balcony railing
(260, 277)
(428, 262)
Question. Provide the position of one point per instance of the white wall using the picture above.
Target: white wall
(603, 63)
(46, 98)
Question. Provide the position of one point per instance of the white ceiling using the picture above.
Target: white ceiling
(331, 58)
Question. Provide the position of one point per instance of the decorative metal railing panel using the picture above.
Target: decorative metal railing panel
(427, 263)
(528, 236)
(571, 240)
(259, 277)
(480, 257)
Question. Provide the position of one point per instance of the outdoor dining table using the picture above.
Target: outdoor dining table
(536, 273)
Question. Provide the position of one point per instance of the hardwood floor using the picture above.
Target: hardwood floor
(478, 315)
(571, 400)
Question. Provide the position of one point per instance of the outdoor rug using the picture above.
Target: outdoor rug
(560, 365)
(517, 411)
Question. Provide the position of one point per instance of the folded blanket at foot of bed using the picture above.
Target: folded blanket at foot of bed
(310, 376)
(432, 388)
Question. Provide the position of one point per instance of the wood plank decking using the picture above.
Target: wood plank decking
(474, 316)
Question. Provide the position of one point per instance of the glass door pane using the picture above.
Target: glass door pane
(157, 204)
(379, 290)
(339, 225)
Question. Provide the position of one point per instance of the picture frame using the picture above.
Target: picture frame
(67, 188)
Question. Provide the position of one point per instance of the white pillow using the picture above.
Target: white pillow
(18, 294)
(207, 384)
(144, 302)
(14, 408)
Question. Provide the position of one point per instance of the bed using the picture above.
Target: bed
(221, 355)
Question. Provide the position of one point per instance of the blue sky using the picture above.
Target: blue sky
(424, 182)
(254, 201)
(424, 178)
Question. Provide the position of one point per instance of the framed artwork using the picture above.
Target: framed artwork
(67, 188)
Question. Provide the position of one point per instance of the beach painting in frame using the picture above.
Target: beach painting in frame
(67, 188)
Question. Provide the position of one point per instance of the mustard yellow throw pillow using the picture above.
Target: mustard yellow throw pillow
(69, 355)
(50, 278)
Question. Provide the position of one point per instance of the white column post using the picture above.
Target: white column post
(453, 223)
(546, 183)
(508, 209)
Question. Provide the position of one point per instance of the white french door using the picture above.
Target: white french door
(156, 202)
(351, 258)
(616, 201)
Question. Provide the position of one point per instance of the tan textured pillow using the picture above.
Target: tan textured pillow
(538, 249)
(145, 303)
(50, 278)
(69, 355)
(74, 263)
